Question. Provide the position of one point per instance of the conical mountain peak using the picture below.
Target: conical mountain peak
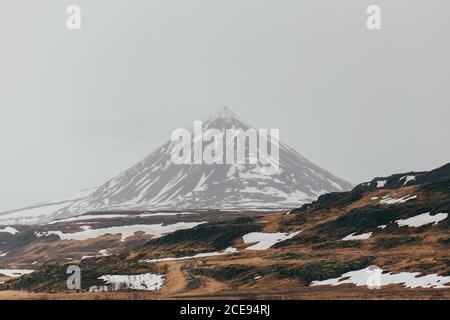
(225, 112)
(158, 183)
(226, 119)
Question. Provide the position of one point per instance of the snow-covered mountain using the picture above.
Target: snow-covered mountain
(157, 183)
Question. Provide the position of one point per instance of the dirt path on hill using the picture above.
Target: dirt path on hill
(175, 280)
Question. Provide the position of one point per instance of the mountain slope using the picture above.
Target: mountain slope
(43, 211)
(157, 183)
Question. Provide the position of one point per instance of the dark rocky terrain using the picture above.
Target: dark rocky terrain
(399, 223)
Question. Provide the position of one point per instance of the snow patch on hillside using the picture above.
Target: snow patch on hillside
(147, 281)
(422, 219)
(408, 279)
(229, 250)
(9, 230)
(407, 179)
(15, 273)
(156, 230)
(90, 217)
(148, 215)
(266, 240)
(403, 199)
(380, 184)
(362, 236)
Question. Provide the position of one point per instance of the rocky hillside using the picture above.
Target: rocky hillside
(399, 224)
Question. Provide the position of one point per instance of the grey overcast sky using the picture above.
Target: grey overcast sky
(79, 107)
